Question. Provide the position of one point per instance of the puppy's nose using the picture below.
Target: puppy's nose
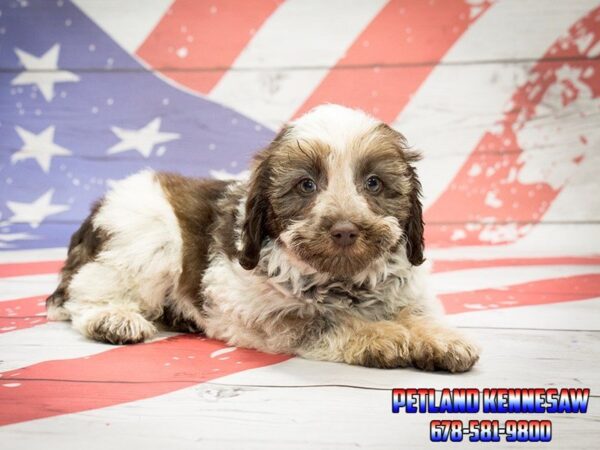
(344, 233)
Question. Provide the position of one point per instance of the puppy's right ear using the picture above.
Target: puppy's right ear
(258, 208)
(254, 230)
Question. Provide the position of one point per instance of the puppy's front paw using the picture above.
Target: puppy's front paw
(118, 327)
(384, 347)
(443, 349)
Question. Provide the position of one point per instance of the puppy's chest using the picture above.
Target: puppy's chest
(256, 296)
(379, 302)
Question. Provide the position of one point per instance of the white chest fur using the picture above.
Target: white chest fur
(240, 305)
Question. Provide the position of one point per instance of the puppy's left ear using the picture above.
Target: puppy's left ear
(413, 227)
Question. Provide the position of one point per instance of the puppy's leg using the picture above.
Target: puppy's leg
(409, 340)
(104, 305)
(382, 344)
(434, 346)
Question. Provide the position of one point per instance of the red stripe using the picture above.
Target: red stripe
(30, 268)
(579, 287)
(120, 375)
(448, 265)
(197, 34)
(405, 32)
(499, 181)
(22, 313)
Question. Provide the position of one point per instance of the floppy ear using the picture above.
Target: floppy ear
(258, 208)
(413, 227)
(254, 229)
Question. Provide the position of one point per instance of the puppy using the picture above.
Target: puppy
(319, 254)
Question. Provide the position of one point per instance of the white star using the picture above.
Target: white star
(35, 212)
(42, 71)
(41, 147)
(225, 175)
(142, 140)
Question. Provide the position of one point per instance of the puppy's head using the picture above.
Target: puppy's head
(338, 189)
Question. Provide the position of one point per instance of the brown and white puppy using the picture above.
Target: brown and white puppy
(319, 254)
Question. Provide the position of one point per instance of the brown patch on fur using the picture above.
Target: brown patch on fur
(393, 162)
(273, 200)
(414, 225)
(289, 165)
(177, 320)
(388, 165)
(85, 244)
(226, 231)
(256, 227)
(194, 202)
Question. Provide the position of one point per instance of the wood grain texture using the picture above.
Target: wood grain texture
(576, 315)
(512, 356)
(218, 417)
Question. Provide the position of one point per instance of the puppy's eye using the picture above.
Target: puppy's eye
(307, 186)
(374, 184)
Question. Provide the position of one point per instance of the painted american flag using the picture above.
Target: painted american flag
(506, 114)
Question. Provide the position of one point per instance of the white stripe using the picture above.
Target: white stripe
(128, 22)
(51, 341)
(298, 31)
(579, 199)
(499, 277)
(478, 93)
(576, 315)
(543, 240)
(43, 254)
(27, 286)
(532, 26)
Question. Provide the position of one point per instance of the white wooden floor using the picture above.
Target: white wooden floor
(302, 404)
(305, 404)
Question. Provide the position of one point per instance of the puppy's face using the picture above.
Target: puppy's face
(338, 190)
